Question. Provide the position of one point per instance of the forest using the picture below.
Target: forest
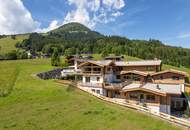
(74, 38)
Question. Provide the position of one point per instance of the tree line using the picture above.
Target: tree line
(145, 49)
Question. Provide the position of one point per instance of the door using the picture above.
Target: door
(142, 98)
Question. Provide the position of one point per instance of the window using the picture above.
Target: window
(98, 78)
(98, 69)
(150, 97)
(120, 68)
(98, 91)
(136, 78)
(161, 77)
(175, 77)
(118, 77)
(93, 90)
(126, 77)
(149, 68)
(133, 95)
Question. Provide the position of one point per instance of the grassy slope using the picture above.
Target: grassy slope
(38, 104)
(8, 44)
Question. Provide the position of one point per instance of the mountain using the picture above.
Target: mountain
(75, 38)
(74, 31)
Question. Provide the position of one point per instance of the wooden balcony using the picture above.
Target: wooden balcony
(91, 72)
(91, 85)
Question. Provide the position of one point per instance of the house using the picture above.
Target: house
(138, 82)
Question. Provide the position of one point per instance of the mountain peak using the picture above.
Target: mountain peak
(71, 28)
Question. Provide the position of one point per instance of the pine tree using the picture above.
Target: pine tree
(55, 59)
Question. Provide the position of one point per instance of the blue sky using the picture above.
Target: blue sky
(165, 20)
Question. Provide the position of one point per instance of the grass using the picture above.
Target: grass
(36, 104)
(8, 44)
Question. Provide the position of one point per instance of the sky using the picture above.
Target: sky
(165, 20)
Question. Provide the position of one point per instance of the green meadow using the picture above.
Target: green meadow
(7, 44)
(36, 104)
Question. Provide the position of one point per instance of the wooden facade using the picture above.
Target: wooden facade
(169, 78)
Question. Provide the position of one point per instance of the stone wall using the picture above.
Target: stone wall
(53, 74)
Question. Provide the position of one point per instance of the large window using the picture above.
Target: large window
(136, 77)
(133, 95)
(149, 68)
(87, 79)
(150, 97)
(126, 77)
(118, 77)
(175, 77)
(161, 77)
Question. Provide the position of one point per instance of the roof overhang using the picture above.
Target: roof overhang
(135, 72)
(171, 71)
(145, 90)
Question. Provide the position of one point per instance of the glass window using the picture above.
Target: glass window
(98, 78)
(149, 68)
(150, 97)
(118, 77)
(98, 91)
(161, 77)
(133, 95)
(175, 77)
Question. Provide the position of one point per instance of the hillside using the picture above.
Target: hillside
(75, 38)
(38, 104)
(7, 44)
(74, 31)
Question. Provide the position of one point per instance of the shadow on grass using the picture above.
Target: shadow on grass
(71, 88)
(5, 91)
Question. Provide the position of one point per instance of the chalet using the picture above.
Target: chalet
(139, 82)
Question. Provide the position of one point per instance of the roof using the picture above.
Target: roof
(139, 63)
(171, 71)
(160, 89)
(99, 63)
(135, 72)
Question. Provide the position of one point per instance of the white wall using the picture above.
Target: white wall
(93, 79)
(101, 90)
(154, 108)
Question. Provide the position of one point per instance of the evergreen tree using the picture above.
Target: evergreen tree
(55, 59)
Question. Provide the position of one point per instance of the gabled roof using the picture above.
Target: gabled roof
(171, 71)
(135, 72)
(160, 89)
(98, 63)
(139, 63)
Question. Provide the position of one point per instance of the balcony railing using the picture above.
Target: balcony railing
(99, 85)
(91, 72)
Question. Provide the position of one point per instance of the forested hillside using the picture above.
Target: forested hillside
(75, 38)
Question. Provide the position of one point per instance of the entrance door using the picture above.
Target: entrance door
(87, 79)
(142, 98)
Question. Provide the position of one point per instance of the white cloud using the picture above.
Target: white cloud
(15, 18)
(117, 14)
(53, 25)
(91, 12)
(184, 35)
(116, 4)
